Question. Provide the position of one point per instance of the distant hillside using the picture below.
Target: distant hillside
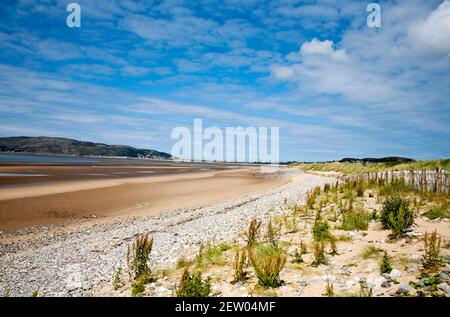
(50, 145)
(390, 159)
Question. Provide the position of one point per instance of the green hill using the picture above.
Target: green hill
(63, 146)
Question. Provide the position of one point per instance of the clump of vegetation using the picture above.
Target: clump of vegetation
(239, 265)
(321, 231)
(397, 216)
(297, 256)
(268, 261)
(211, 255)
(385, 265)
(355, 220)
(311, 198)
(138, 255)
(360, 190)
(371, 251)
(271, 233)
(193, 285)
(319, 254)
(394, 188)
(252, 232)
(442, 211)
(183, 263)
(329, 289)
(431, 259)
(349, 168)
(333, 246)
(429, 286)
(290, 225)
(138, 286)
(117, 279)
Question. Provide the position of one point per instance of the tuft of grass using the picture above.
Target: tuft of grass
(138, 286)
(371, 251)
(394, 188)
(319, 254)
(211, 255)
(193, 285)
(385, 264)
(355, 220)
(345, 238)
(267, 261)
(183, 263)
(239, 265)
(297, 257)
(442, 211)
(138, 255)
(431, 259)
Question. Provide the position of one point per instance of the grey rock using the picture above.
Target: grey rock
(395, 274)
(302, 281)
(444, 287)
(444, 276)
(405, 289)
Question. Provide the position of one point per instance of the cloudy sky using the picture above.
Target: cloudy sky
(135, 70)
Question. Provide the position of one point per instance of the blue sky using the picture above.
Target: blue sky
(135, 70)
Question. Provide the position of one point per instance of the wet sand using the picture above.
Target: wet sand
(123, 191)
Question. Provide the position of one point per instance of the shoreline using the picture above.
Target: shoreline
(68, 202)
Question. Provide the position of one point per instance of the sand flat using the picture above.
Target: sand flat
(58, 202)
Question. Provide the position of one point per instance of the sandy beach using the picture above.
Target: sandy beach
(114, 193)
(74, 259)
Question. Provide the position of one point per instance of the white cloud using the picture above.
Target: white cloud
(282, 72)
(432, 35)
(324, 48)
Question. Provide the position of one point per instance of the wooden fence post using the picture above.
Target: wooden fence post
(423, 180)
